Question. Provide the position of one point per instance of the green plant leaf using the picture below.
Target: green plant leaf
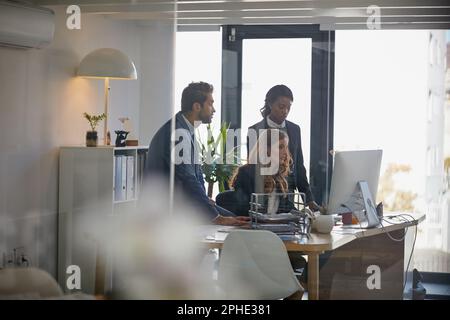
(94, 119)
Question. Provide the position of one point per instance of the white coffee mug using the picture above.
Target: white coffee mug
(323, 223)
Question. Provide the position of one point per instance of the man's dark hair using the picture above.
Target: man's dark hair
(195, 92)
(273, 94)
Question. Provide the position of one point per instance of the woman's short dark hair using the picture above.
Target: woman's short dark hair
(195, 92)
(280, 90)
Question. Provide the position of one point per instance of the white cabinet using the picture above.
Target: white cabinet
(88, 202)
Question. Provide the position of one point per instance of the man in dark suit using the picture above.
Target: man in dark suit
(196, 108)
(275, 111)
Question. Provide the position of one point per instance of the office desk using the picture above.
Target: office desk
(351, 251)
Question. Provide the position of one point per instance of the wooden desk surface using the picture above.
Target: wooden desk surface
(214, 235)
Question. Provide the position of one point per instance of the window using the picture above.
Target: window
(389, 94)
(285, 61)
(199, 58)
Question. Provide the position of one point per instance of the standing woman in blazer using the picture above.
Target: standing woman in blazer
(276, 108)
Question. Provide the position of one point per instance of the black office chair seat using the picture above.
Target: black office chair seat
(233, 201)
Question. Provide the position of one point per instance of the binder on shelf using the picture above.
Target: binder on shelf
(130, 178)
(114, 177)
(141, 158)
(118, 194)
(138, 174)
(123, 195)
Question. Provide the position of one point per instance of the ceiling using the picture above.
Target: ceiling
(210, 14)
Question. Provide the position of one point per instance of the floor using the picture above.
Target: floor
(437, 285)
(434, 266)
(437, 291)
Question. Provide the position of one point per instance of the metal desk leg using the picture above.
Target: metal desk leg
(313, 276)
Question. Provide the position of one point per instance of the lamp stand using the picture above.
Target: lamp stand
(105, 127)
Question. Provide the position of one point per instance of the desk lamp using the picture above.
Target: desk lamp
(107, 63)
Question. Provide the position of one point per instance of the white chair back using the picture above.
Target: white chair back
(27, 283)
(254, 265)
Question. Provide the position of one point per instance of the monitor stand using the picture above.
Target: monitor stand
(362, 206)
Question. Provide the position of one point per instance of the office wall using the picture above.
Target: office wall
(41, 106)
(157, 82)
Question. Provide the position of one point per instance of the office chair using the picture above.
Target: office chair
(227, 200)
(254, 265)
(233, 201)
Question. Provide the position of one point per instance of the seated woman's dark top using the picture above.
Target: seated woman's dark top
(247, 182)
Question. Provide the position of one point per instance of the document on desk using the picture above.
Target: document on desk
(346, 229)
(226, 229)
(212, 233)
(276, 218)
(281, 228)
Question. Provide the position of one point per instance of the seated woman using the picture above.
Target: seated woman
(267, 171)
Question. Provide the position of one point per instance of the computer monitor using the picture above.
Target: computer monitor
(350, 167)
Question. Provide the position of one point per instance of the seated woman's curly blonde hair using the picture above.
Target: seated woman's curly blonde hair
(278, 180)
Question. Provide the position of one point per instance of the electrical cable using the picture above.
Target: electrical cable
(389, 235)
(402, 216)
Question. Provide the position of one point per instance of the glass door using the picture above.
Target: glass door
(268, 62)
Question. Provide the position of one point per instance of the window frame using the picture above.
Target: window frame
(322, 90)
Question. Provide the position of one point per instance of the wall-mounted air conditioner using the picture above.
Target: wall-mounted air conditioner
(25, 26)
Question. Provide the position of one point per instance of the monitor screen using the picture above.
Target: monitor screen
(350, 167)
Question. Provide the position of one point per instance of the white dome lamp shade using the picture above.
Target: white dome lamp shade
(107, 63)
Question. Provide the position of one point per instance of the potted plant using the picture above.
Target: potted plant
(213, 155)
(91, 136)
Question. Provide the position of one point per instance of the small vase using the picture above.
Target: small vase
(91, 139)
